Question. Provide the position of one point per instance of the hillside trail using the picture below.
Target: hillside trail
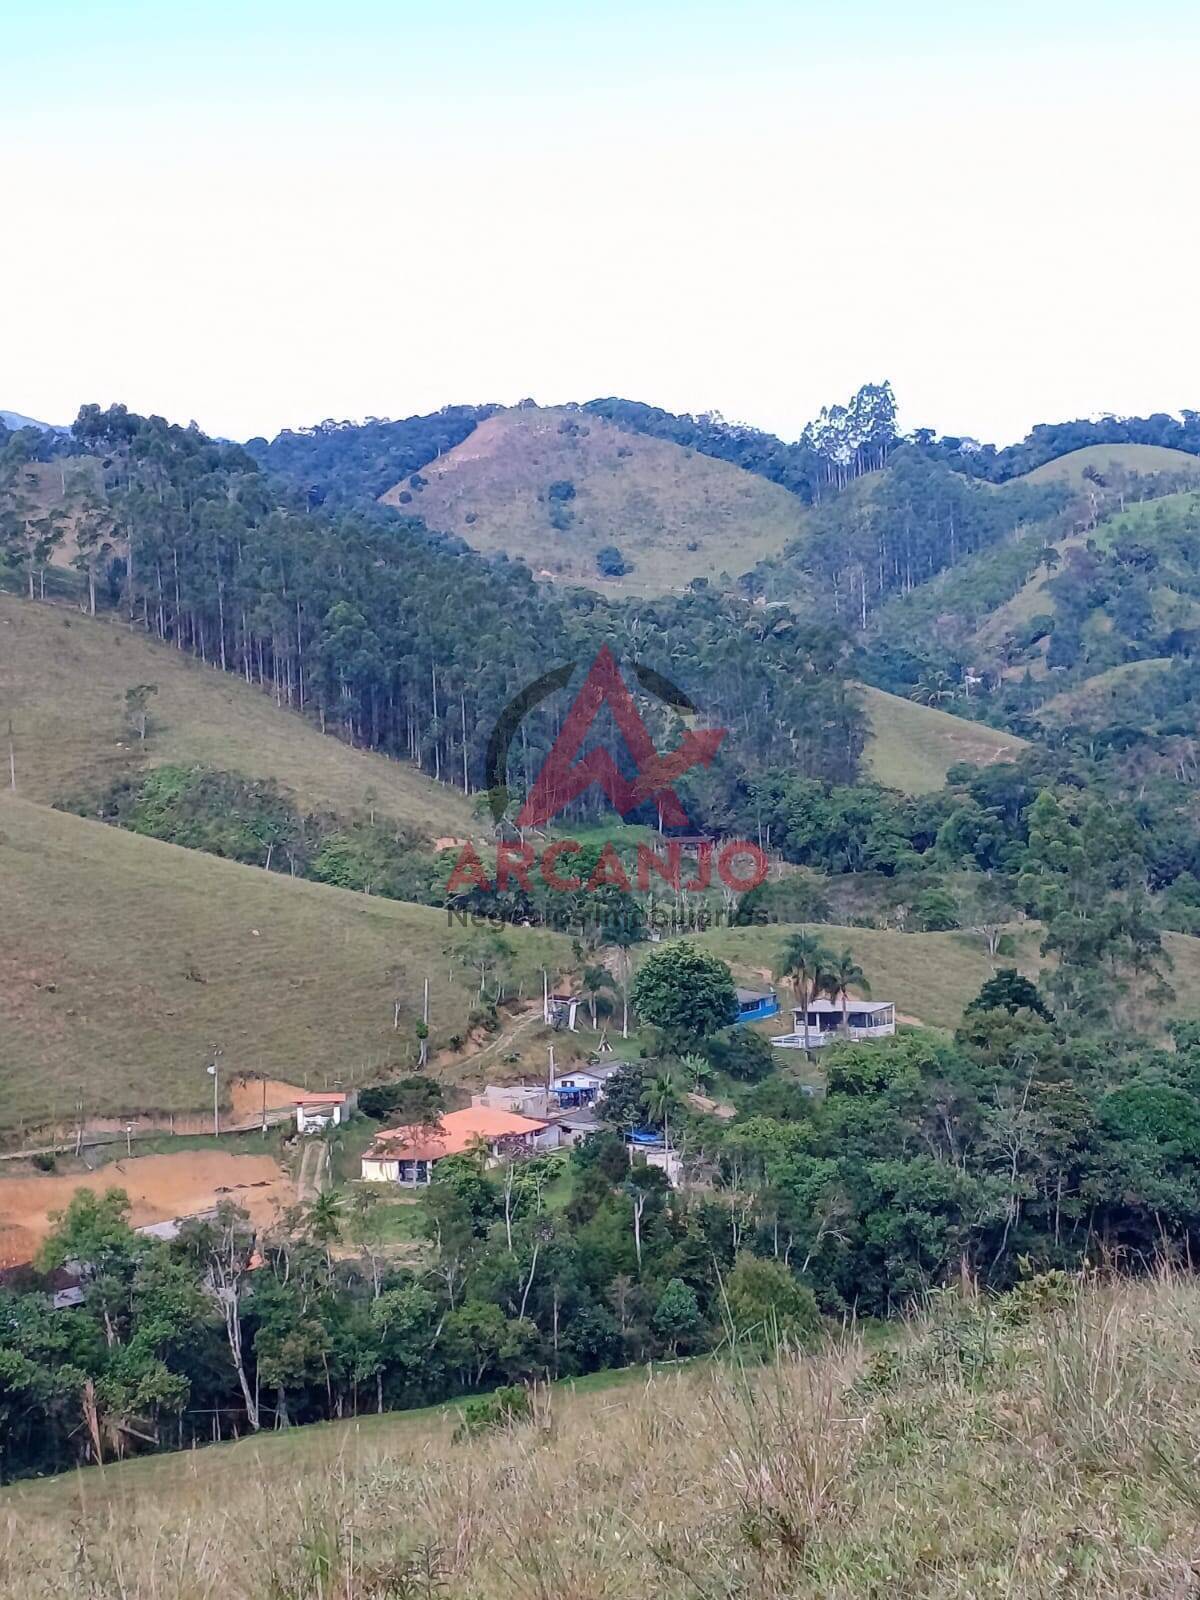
(314, 1171)
(532, 1016)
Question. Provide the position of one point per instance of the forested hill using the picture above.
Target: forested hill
(1049, 440)
(894, 531)
(399, 639)
(622, 496)
(345, 463)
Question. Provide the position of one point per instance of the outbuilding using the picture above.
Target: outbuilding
(316, 1112)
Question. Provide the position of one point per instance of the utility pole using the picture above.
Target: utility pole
(215, 1073)
(12, 759)
(424, 1055)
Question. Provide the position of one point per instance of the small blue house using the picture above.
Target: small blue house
(753, 1005)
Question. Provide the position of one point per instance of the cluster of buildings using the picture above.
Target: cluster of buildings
(827, 1020)
(512, 1120)
(507, 1121)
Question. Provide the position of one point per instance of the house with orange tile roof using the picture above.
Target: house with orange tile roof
(408, 1155)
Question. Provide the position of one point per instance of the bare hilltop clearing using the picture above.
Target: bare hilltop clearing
(555, 487)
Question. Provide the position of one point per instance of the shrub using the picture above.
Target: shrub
(408, 1100)
(610, 563)
(1008, 991)
(936, 911)
(741, 1053)
(44, 1161)
(483, 1017)
(503, 1408)
(766, 1303)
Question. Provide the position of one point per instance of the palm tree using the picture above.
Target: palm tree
(596, 981)
(324, 1219)
(844, 974)
(805, 962)
(934, 689)
(662, 1095)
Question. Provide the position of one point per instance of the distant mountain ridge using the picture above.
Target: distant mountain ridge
(15, 420)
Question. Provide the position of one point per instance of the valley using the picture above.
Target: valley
(953, 710)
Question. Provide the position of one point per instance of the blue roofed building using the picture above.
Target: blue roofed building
(754, 1005)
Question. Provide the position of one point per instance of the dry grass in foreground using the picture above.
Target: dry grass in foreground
(1002, 1450)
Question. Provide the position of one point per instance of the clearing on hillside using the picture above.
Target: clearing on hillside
(911, 747)
(63, 679)
(161, 1188)
(1100, 701)
(554, 487)
(929, 977)
(124, 963)
(1107, 458)
(932, 977)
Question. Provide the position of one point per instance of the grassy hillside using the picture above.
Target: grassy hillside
(1100, 701)
(988, 1452)
(1156, 522)
(673, 513)
(1164, 526)
(124, 962)
(929, 977)
(1031, 598)
(1104, 458)
(911, 747)
(63, 679)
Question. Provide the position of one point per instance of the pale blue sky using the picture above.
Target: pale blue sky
(261, 219)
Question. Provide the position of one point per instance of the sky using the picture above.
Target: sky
(260, 215)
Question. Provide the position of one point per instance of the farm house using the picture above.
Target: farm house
(827, 1023)
(408, 1155)
(753, 1005)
